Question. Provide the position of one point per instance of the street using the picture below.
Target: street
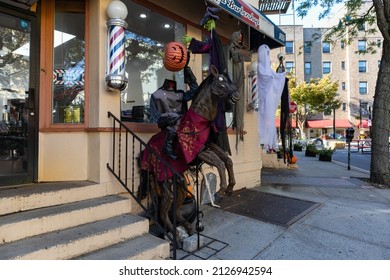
(357, 159)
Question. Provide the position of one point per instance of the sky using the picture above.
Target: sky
(311, 20)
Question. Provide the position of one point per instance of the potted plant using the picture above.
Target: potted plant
(311, 150)
(297, 146)
(325, 154)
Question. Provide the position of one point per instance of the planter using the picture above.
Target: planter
(310, 154)
(325, 158)
(298, 149)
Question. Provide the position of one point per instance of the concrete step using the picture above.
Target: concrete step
(144, 247)
(27, 197)
(76, 241)
(30, 223)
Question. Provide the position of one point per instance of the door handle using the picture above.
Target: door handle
(30, 98)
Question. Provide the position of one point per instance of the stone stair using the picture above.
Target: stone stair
(74, 220)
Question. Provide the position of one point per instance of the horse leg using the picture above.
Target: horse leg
(228, 164)
(181, 195)
(166, 205)
(211, 158)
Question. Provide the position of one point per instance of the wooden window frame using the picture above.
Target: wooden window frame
(46, 71)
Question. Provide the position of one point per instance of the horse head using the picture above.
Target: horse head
(215, 87)
(223, 87)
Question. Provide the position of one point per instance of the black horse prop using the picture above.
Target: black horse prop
(193, 144)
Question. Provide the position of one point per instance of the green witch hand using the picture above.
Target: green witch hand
(186, 39)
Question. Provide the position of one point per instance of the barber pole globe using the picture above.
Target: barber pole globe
(116, 78)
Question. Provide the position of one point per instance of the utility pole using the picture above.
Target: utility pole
(334, 122)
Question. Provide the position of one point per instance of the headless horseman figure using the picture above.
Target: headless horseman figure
(168, 104)
(213, 46)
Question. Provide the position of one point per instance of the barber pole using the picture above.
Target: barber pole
(252, 92)
(252, 99)
(116, 78)
(116, 50)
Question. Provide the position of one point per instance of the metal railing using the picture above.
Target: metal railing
(127, 150)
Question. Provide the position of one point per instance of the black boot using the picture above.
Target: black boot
(170, 143)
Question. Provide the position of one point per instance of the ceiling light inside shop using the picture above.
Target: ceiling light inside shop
(142, 15)
(167, 25)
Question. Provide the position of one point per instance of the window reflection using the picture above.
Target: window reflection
(69, 63)
(146, 37)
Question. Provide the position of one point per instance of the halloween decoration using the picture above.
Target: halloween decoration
(175, 56)
(193, 146)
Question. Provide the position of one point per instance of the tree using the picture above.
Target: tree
(314, 97)
(376, 15)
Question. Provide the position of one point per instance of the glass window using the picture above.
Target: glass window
(363, 87)
(69, 62)
(326, 67)
(289, 47)
(379, 63)
(361, 45)
(364, 108)
(290, 66)
(342, 45)
(362, 66)
(343, 85)
(343, 65)
(308, 47)
(307, 68)
(361, 26)
(146, 37)
(325, 47)
(344, 106)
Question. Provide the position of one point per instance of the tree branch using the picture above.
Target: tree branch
(382, 9)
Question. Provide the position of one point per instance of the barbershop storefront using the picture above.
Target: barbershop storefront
(53, 94)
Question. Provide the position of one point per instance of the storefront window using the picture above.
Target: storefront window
(69, 62)
(146, 36)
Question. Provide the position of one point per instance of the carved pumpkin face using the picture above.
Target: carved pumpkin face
(175, 56)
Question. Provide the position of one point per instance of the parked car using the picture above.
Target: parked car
(319, 140)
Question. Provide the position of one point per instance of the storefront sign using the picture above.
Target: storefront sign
(251, 16)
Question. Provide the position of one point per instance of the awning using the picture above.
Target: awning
(340, 123)
(365, 123)
(262, 30)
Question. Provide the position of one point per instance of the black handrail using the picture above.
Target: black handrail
(121, 156)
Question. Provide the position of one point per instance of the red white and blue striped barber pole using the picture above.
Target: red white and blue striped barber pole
(252, 88)
(116, 26)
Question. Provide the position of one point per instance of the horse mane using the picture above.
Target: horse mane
(206, 82)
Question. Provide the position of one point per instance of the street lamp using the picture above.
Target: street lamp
(116, 26)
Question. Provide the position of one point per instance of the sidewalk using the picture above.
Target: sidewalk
(351, 222)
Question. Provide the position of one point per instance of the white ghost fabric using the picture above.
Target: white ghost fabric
(269, 87)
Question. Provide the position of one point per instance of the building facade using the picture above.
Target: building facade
(54, 61)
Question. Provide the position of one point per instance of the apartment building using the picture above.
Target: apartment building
(310, 56)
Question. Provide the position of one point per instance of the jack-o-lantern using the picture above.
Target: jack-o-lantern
(175, 56)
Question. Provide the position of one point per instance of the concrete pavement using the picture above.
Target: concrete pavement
(352, 221)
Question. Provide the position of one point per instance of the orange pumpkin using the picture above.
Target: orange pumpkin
(293, 160)
(175, 56)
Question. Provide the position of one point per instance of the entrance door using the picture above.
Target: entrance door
(18, 136)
